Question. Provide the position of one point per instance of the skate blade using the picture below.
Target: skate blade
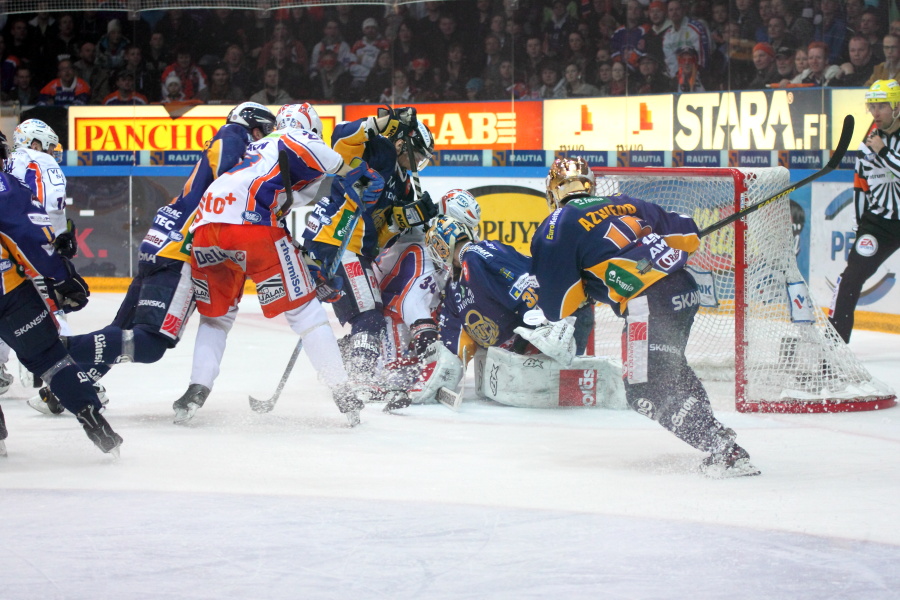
(353, 418)
(38, 404)
(741, 468)
(115, 452)
(183, 415)
(3, 448)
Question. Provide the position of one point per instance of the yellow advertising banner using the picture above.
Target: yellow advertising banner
(621, 124)
(107, 128)
(850, 102)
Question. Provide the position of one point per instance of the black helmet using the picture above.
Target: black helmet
(252, 115)
(422, 142)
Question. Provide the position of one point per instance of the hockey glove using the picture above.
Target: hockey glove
(72, 292)
(400, 122)
(363, 185)
(327, 290)
(66, 242)
(556, 339)
(418, 212)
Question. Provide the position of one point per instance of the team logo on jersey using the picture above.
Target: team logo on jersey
(170, 212)
(533, 363)
(176, 236)
(155, 239)
(297, 277)
(39, 220)
(252, 217)
(669, 260)
(483, 330)
(867, 245)
(6, 265)
(172, 325)
(622, 282)
(201, 290)
(3, 187)
(270, 290)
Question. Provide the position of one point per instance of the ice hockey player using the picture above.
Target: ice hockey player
(35, 162)
(160, 299)
(27, 326)
(212, 333)
(239, 234)
(489, 290)
(875, 191)
(393, 143)
(630, 254)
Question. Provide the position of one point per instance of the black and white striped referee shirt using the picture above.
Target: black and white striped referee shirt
(876, 184)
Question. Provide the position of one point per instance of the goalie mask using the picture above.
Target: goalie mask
(299, 116)
(35, 130)
(252, 115)
(462, 206)
(568, 178)
(444, 238)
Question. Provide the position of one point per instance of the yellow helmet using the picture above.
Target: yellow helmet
(884, 90)
(568, 177)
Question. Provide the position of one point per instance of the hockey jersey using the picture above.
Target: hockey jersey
(169, 236)
(253, 192)
(44, 177)
(26, 237)
(610, 249)
(373, 231)
(486, 303)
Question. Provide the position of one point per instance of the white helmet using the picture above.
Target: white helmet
(302, 116)
(36, 130)
(462, 206)
(252, 115)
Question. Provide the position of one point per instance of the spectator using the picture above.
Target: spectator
(20, 44)
(290, 75)
(64, 43)
(534, 58)
(856, 72)
(490, 68)
(271, 93)
(868, 28)
(144, 82)
(718, 22)
(8, 66)
(423, 81)
(304, 26)
(832, 31)
(221, 28)
(764, 62)
(111, 48)
(659, 25)
(765, 13)
(473, 89)
(574, 86)
(177, 26)
(157, 56)
(86, 68)
(379, 78)
(557, 29)
(619, 83)
(777, 34)
(603, 78)
(91, 26)
(784, 64)
(801, 60)
(683, 34)
(66, 89)
(22, 90)
(894, 28)
(501, 87)
(331, 81)
(447, 34)
(820, 72)
(124, 94)
(577, 51)
(193, 79)
(172, 91)
(890, 68)
(220, 90)
(853, 12)
(484, 11)
(747, 18)
(650, 80)
(399, 93)
(332, 42)
(498, 28)
(627, 42)
(404, 49)
(348, 23)
(799, 27)
(294, 52)
(367, 48)
(428, 25)
(687, 78)
(455, 74)
(552, 85)
(239, 74)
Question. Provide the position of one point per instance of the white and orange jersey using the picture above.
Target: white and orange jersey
(43, 176)
(252, 193)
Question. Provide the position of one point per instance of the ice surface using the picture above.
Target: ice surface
(489, 502)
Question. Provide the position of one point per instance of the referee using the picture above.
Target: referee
(876, 194)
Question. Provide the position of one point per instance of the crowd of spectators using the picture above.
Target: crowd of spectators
(448, 50)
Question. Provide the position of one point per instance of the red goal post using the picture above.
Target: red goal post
(757, 324)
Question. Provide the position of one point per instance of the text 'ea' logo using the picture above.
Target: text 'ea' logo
(867, 245)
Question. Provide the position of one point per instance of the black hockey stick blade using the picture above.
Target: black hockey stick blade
(284, 165)
(843, 144)
(265, 406)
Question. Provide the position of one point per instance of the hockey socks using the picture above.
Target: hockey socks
(112, 345)
(71, 386)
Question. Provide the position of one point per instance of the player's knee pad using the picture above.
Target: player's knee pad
(440, 368)
(145, 345)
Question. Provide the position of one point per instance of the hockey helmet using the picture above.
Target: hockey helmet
(422, 142)
(35, 130)
(444, 237)
(884, 90)
(252, 115)
(462, 206)
(299, 116)
(568, 178)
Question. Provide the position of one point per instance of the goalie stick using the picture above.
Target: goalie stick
(450, 398)
(843, 143)
(265, 406)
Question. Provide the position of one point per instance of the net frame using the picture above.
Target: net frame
(779, 364)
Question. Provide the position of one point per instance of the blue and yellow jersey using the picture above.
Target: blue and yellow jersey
(484, 306)
(610, 249)
(168, 235)
(26, 237)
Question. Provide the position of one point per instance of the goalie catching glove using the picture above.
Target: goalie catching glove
(72, 292)
(66, 242)
(556, 340)
(440, 368)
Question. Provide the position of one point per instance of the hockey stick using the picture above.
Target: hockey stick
(452, 399)
(265, 406)
(843, 143)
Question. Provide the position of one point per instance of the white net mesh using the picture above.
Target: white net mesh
(746, 330)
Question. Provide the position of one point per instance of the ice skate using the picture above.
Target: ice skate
(731, 462)
(349, 403)
(6, 379)
(46, 402)
(98, 430)
(186, 406)
(3, 433)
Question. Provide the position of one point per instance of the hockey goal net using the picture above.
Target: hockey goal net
(757, 324)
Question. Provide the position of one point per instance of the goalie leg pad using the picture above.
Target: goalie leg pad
(441, 368)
